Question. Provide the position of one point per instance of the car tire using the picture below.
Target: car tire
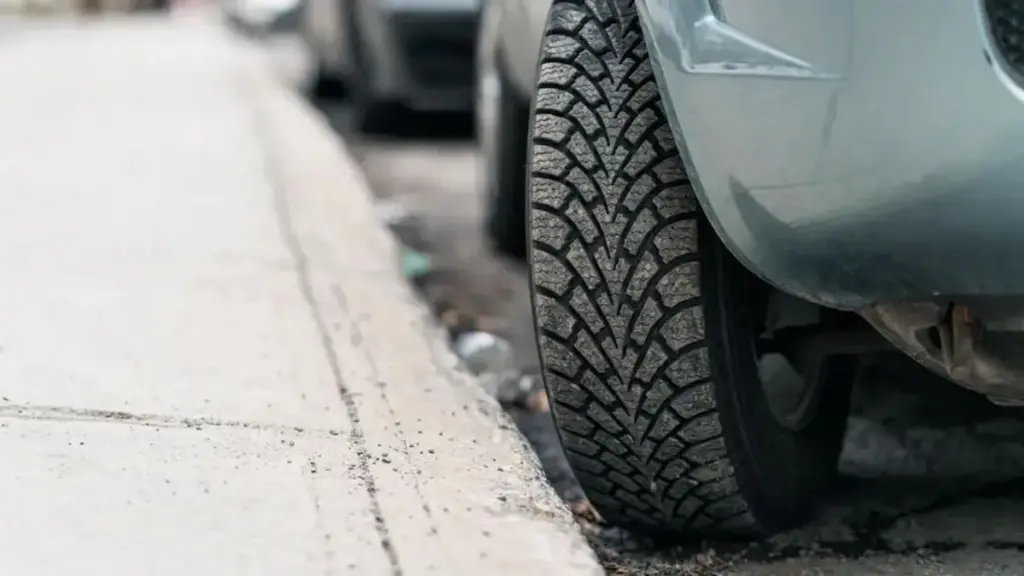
(370, 114)
(504, 163)
(647, 326)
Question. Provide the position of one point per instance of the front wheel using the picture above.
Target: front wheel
(649, 331)
(370, 114)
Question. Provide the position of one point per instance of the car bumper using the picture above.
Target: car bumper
(851, 151)
(435, 49)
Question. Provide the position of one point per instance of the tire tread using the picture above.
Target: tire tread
(616, 275)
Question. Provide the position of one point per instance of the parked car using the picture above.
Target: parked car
(415, 54)
(727, 204)
(260, 16)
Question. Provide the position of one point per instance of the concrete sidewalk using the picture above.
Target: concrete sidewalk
(208, 362)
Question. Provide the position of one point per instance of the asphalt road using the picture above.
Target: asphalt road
(934, 479)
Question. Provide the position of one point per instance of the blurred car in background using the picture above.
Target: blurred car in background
(508, 44)
(393, 54)
(261, 16)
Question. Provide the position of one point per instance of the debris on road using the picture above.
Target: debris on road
(397, 217)
(538, 401)
(415, 264)
(490, 358)
(391, 213)
(483, 352)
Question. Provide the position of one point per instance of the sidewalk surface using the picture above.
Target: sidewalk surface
(208, 362)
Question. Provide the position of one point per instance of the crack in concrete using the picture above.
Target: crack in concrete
(68, 414)
(356, 335)
(289, 237)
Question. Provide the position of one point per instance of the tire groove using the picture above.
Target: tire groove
(578, 98)
(563, 256)
(560, 147)
(659, 157)
(590, 16)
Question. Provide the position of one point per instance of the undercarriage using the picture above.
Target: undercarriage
(976, 344)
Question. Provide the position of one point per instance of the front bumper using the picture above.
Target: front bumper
(851, 151)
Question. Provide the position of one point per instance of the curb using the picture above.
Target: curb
(459, 490)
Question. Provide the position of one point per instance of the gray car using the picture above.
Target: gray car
(391, 54)
(728, 203)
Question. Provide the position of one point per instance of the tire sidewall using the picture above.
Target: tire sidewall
(782, 472)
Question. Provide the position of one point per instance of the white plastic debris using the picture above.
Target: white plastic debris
(391, 212)
(491, 359)
(484, 352)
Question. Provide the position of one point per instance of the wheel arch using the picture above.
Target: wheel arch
(659, 35)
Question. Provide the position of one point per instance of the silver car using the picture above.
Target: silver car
(391, 54)
(728, 203)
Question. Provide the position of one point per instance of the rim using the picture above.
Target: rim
(791, 395)
(791, 378)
